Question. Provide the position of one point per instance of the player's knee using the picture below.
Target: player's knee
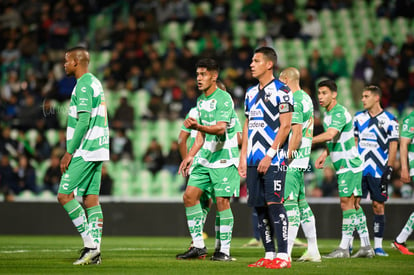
(64, 198)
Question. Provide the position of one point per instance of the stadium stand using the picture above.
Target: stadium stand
(349, 25)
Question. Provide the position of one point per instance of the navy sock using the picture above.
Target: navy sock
(379, 225)
(278, 216)
(265, 228)
(255, 221)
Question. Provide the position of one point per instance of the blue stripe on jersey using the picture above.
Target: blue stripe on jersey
(374, 135)
(262, 111)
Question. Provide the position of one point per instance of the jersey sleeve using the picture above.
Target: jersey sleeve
(224, 109)
(285, 100)
(338, 121)
(408, 128)
(84, 94)
(297, 116)
(356, 130)
(393, 130)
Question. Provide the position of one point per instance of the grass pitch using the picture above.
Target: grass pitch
(156, 255)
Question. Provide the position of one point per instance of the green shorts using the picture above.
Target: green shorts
(295, 184)
(83, 177)
(219, 182)
(349, 183)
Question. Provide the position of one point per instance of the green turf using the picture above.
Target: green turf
(156, 255)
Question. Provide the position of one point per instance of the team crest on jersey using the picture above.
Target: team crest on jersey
(213, 104)
(381, 123)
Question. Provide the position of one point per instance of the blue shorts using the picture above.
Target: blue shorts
(264, 188)
(373, 185)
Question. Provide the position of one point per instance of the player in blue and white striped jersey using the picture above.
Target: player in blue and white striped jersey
(376, 135)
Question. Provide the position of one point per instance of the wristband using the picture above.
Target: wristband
(271, 152)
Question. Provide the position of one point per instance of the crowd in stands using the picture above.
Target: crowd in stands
(144, 56)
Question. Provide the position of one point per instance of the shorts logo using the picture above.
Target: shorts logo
(227, 189)
(65, 186)
(345, 190)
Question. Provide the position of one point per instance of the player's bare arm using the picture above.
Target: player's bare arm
(326, 136)
(405, 170)
(243, 152)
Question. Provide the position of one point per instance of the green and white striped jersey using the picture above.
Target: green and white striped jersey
(88, 96)
(408, 132)
(303, 114)
(342, 149)
(219, 151)
(193, 133)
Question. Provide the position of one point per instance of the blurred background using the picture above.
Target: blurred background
(144, 52)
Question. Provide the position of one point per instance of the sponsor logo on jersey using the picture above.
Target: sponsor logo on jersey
(255, 113)
(256, 124)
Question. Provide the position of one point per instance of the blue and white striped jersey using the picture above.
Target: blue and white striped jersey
(374, 135)
(262, 109)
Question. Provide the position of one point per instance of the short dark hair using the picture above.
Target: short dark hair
(373, 89)
(208, 63)
(330, 84)
(77, 48)
(269, 53)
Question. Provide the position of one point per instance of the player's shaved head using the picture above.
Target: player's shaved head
(80, 55)
(291, 73)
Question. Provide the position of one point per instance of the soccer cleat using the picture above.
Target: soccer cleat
(307, 257)
(193, 253)
(87, 255)
(299, 243)
(338, 253)
(402, 248)
(220, 256)
(364, 252)
(96, 260)
(262, 262)
(278, 264)
(380, 252)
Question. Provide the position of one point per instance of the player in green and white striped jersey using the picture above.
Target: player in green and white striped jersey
(300, 143)
(339, 138)
(407, 171)
(87, 147)
(216, 168)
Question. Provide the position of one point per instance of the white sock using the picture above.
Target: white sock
(377, 242)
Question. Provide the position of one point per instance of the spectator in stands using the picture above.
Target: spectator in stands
(201, 24)
(312, 27)
(153, 158)
(8, 145)
(11, 87)
(291, 26)
(316, 65)
(10, 17)
(190, 96)
(29, 113)
(405, 70)
(49, 118)
(180, 10)
(53, 174)
(24, 146)
(8, 179)
(10, 56)
(11, 110)
(124, 115)
(59, 33)
(42, 148)
(106, 182)
(26, 176)
(60, 146)
(173, 159)
(121, 146)
(337, 66)
(251, 10)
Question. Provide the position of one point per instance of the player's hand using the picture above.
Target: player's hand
(191, 123)
(64, 162)
(242, 167)
(405, 176)
(320, 162)
(264, 164)
(185, 166)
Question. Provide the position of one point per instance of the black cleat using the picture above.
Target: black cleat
(220, 256)
(193, 253)
(96, 260)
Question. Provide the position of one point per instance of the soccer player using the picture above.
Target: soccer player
(87, 147)
(216, 168)
(407, 171)
(268, 110)
(299, 149)
(376, 136)
(184, 143)
(339, 138)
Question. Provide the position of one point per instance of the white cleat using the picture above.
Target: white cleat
(307, 257)
(88, 255)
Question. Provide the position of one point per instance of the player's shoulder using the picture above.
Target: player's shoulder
(389, 115)
(360, 113)
(280, 86)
